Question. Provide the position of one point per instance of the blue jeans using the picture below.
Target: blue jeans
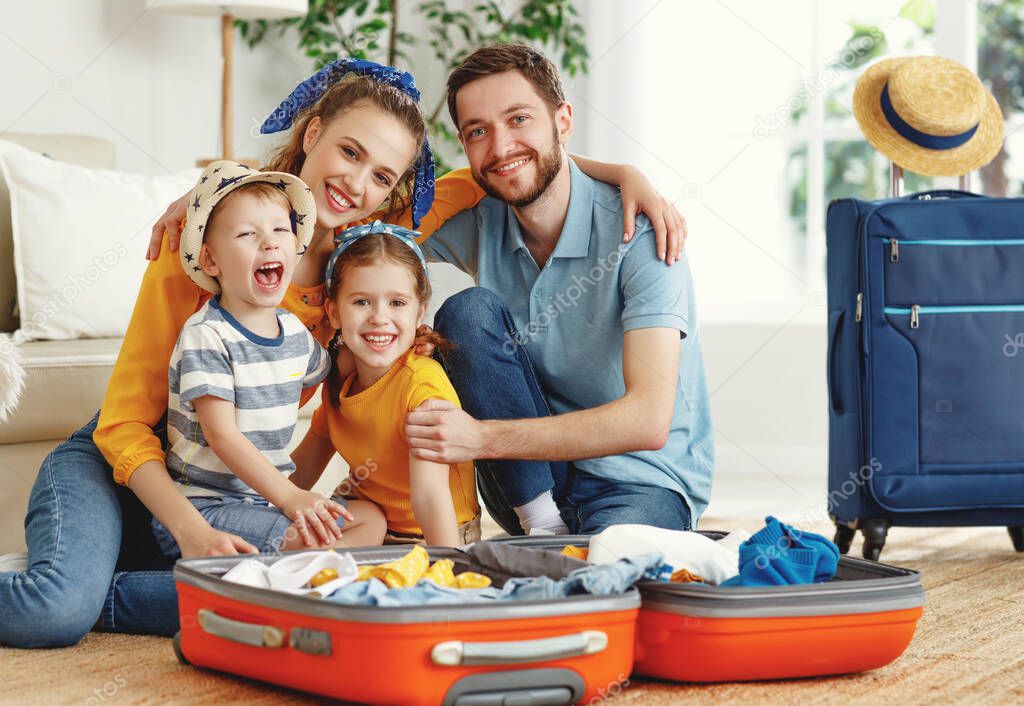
(495, 379)
(251, 518)
(91, 557)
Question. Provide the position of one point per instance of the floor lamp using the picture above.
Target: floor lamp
(229, 11)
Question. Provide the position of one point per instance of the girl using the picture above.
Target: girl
(80, 526)
(377, 294)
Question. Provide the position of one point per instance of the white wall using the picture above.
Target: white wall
(147, 81)
(675, 88)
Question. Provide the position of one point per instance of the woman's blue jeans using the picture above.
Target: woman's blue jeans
(92, 558)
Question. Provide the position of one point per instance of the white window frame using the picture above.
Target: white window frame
(956, 37)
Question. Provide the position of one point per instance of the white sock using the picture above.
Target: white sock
(541, 513)
(16, 561)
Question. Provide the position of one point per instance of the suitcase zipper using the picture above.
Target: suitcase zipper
(894, 244)
(915, 311)
(860, 307)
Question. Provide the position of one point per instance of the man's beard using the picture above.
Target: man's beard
(548, 165)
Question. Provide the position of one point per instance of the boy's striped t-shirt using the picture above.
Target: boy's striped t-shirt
(263, 377)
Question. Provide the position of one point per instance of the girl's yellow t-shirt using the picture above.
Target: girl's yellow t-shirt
(367, 429)
(136, 396)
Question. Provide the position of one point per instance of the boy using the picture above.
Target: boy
(241, 363)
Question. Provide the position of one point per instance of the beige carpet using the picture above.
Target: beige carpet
(969, 648)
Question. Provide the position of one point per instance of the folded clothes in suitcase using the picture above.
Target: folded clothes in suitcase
(862, 619)
(557, 651)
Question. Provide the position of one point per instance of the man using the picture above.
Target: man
(578, 394)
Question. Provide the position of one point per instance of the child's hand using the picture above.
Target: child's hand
(211, 542)
(313, 516)
(423, 345)
(640, 196)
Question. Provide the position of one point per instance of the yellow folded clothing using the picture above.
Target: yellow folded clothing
(576, 552)
(684, 576)
(414, 566)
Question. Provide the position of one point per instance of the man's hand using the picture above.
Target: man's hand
(439, 431)
(208, 541)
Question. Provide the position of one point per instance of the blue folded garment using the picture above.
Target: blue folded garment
(780, 555)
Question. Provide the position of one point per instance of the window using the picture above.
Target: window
(1001, 66)
(741, 114)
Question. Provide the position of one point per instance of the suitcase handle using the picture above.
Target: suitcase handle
(835, 322)
(456, 653)
(941, 194)
(237, 631)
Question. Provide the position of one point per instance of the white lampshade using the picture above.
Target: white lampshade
(241, 9)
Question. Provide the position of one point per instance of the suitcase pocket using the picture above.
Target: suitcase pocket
(969, 391)
(953, 272)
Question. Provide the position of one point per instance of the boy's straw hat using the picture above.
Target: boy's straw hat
(928, 114)
(218, 180)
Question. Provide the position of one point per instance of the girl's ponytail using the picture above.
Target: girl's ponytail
(334, 380)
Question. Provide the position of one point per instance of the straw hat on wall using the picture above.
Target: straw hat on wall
(928, 114)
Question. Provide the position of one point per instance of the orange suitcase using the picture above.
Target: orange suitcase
(862, 619)
(537, 652)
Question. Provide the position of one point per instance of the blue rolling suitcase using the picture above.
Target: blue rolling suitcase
(925, 364)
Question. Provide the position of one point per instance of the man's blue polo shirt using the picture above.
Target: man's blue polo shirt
(573, 313)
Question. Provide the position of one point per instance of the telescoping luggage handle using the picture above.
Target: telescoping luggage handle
(896, 185)
(455, 653)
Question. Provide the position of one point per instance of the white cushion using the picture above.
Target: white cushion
(78, 149)
(80, 237)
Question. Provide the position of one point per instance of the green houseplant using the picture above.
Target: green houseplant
(370, 29)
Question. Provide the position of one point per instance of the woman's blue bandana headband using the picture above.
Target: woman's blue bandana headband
(309, 92)
(345, 238)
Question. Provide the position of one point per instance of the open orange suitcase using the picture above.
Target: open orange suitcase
(532, 652)
(862, 619)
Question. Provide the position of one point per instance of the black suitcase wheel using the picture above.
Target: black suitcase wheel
(874, 532)
(1017, 535)
(844, 537)
(176, 643)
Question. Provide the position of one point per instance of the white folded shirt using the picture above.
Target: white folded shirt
(714, 561)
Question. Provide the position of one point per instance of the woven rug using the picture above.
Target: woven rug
(969, 648)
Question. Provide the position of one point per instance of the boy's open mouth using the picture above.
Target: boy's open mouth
(268, 275)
